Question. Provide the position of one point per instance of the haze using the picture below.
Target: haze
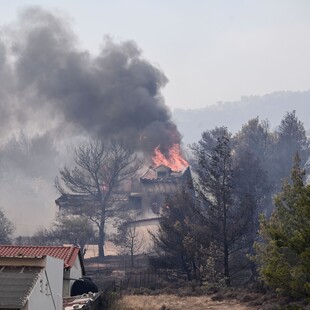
(209, 50)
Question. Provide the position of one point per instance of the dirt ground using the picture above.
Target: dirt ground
(171, 302)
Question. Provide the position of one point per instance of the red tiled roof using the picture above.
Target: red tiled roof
(67, 253)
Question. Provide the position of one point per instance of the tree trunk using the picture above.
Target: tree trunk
(101, 237)
(187, 270)
(131, 259)
(226, 252)
(101, 241)
(226, 265)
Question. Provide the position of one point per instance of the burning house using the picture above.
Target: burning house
(154, 185)
(143, 197)
(77, 95)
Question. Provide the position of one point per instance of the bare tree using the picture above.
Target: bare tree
(130, 240)
(100, 170)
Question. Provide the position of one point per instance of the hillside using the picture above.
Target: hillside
(192, 123)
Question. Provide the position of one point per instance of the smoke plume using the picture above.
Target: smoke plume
(116, 92)
(52, 93)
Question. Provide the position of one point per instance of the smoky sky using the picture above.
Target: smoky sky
(55, 94)
(49, 82)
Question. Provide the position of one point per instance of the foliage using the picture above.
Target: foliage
(273, 151)
(253, 148)
(209, 236)
(237, 176)
(42, 236)
(211, 274)
(70, 229)
(180, 234)
(255, 136)
(6, 229)
(215, 184)
(284, 255)
(228, 205)
(290, 139)
(73, 229)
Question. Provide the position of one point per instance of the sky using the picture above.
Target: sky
(210, 51)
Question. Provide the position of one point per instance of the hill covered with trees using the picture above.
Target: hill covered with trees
(192, 122)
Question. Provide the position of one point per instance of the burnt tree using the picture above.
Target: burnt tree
(100, 168)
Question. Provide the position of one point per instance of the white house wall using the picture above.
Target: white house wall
(75, 272)
(47, 292)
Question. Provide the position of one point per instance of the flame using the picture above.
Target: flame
(174, 161)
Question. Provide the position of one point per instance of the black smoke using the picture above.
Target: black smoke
(53, 94)
(57, 85)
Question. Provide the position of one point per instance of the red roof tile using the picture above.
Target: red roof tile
(67, 253)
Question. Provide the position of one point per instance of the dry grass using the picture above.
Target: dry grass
(173, 302)
(225, 299)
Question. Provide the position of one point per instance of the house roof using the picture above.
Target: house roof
(66, 253)
(76, 201)
(152, 174)
(16, 284)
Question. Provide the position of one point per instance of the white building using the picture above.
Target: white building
(72, 263)
(31, 283)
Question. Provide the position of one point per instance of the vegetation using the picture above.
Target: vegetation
(166, 302)
(100, 169)
(211, 235)
(284, 256)
(179, 230)
(187, 298)
(227, 216)
(208, 233)
(6, 229)
(73, 229)
(129, 240)
(65, 229)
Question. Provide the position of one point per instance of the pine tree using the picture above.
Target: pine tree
(290, 139)
(227, 211)
(180, 233)
(284, 255)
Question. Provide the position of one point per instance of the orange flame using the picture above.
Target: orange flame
(174, 161)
